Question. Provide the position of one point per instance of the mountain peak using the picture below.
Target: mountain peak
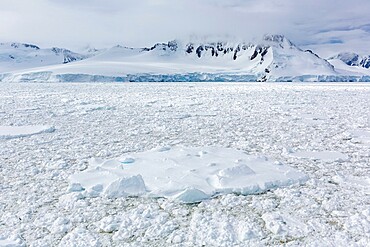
(278, 40)
(16, 45)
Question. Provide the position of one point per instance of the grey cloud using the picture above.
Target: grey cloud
(75, 23)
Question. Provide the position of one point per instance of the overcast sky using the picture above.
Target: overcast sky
(324, 25)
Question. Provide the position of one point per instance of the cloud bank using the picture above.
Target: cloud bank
(332, 24)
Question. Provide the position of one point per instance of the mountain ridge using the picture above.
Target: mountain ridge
(353, 59)
(272, 58)
(15, 56)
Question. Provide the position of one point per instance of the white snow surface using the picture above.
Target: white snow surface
(185, 174)
(9, 132)
(113, 121)
(345, 69)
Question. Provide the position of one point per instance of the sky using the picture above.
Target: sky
(326, 26)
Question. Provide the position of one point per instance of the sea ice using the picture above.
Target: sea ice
(327, 156)
(361, 136)
(79, 237)
(10, 132)
(38, 208)
(184, 174)
(11, 242)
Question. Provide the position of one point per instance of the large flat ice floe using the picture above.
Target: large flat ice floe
(184, 174)
(326, 156)
(10, 132)
(361, 136)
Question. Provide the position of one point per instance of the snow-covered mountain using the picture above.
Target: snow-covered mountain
(16, 56)
(274, 58)
(353, 59)
(351, 63)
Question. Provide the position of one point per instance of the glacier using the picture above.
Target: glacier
(190, 77)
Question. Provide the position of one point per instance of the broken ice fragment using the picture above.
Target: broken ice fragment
(128, 160)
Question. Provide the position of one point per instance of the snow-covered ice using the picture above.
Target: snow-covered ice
(39, 206)
(9, 132)
(361, 136)
(11, 242)
(184, 174)
(328, 156)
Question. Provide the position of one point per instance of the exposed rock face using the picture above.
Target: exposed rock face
(68, 56)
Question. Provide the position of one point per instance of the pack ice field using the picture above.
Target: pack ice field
(184, 164)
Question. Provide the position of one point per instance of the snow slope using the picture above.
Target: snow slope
(351, 64)
(353, 59)
(269, 59)
(345, 69)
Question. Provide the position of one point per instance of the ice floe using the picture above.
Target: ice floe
(11, 242)
(184, 174)
(10, 132)
(361, 136)
(327, 156)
